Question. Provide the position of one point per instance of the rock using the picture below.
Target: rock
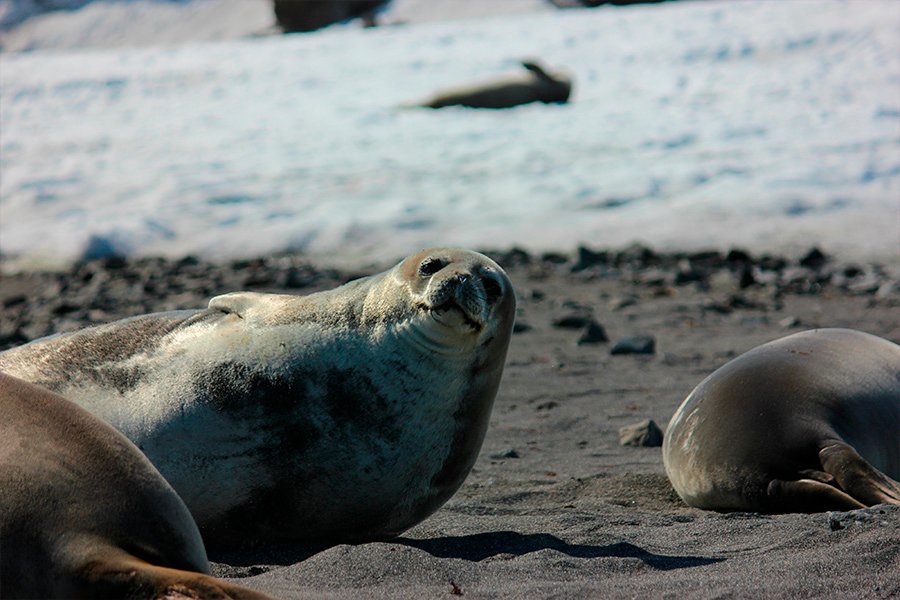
(638, 344)
(521, 326)
(296, 278)
(746, 279)
(814, 259)
(621, 302)
(508, 453)
(14, 300)
(689, 274)
(593, 333)
(575, 320)
(637, 256)
(588, 258)
(789, 322)
(736, 257)
(646, 433)
(888, 289)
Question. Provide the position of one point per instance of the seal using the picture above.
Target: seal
(345, 415)
(84, 514)
(806, 423)
(535, 85)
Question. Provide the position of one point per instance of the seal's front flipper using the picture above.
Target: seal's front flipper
(259, 308)
(807, 496)
(857, 477)
(237, 303)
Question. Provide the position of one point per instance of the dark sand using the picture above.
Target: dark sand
(555, 507)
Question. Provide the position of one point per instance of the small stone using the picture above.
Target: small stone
(521, 326)
(296, 278)
(851, 271)
(588, 258)
(814, 259)
(746, 279)
(638, 344)
(688, 275)
(572, 321)
(508, 453)
(789, 322)
(834, 523)
(646, 433)
(554, 258)
(622, 302)
(737, 256)
(115, 261)
(887, 290)
(14, 300)
(593, 333)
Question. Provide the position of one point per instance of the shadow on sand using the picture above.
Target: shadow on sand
(474, 548)
(483, 545)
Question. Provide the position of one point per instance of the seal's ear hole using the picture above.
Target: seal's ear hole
(492, 289)
(431, 265)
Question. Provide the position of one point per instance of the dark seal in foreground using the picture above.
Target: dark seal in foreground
(350, 414)
(535, 84)
(807, 423)
(83, 514)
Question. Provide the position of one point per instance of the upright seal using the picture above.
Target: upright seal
(806, 423)
(536, 84)
(346, 415)
(84, 514)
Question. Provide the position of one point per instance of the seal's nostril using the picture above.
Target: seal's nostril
(431, 265)
(492, 289)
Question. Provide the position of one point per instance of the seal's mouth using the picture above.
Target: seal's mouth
(451, 314)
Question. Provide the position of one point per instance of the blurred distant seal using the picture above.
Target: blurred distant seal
(806, 423)
(83, 514)
(536, 84)
(349, 414)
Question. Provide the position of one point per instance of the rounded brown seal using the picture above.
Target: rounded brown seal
(806, 423)
(83, 514)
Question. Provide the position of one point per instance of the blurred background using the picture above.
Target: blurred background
(176, 127)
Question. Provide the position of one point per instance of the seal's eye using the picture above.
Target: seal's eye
(431, 265)
(492, 289)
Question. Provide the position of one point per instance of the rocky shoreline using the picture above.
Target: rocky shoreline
(40, 303)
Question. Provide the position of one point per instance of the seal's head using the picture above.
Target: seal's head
(462, 298)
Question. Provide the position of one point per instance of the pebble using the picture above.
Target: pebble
(593, 333)
(646, 433)
(638, 344)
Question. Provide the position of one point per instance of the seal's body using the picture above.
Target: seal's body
(350, 414)
(806, 423)
(536, 84)
(84, 514)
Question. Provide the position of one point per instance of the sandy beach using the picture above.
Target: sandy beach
(556, 507)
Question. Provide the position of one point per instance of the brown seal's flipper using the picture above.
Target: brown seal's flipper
(847, 482)
(120, 575)
(857, 477)
(808, 495)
